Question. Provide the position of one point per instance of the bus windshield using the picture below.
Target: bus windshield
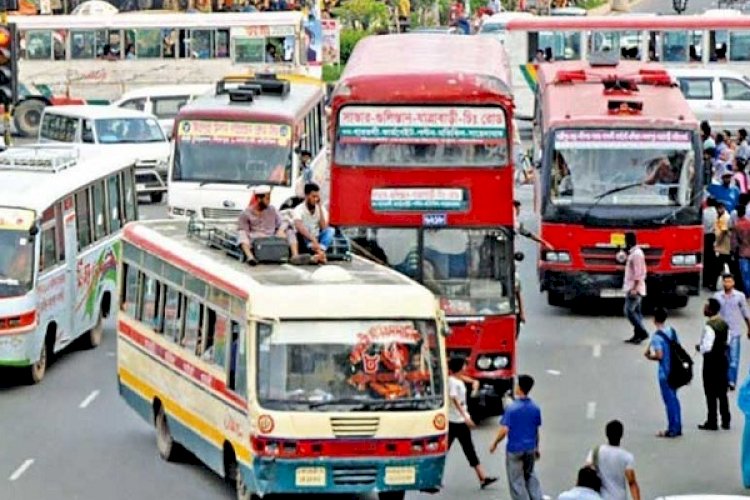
(128, 130)
(233, 152)
(363, 365)
(467, 268)
(16, 262)
(622, 167)
(429, 136)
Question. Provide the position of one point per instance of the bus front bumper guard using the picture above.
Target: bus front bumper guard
(578, 284)
(344, 475)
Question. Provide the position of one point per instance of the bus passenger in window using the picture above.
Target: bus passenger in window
(130, 51)
(694, 57)
(311, 223)
(107, 54)
(539, 56)
(270, 53)
(261, 220)
(305, 166)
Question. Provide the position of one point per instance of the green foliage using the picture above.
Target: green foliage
(332, 72)
(349, 38)
(366, 15)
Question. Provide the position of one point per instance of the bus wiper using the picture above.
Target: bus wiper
(671, 215)
(598, 198)
(357, 403)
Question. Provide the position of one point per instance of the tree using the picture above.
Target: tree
(367, 15)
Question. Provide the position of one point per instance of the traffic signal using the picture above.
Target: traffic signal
(8, 64)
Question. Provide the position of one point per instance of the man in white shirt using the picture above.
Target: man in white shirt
(311, 224)
(587, 486)
(616, 466)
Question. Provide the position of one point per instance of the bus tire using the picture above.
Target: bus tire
(157, 197)
(27, 116)
(165, 443)
(391, 495)
(94, 336)
(37, 371)
(555, 299)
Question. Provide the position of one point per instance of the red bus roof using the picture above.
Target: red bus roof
(576, 102)
(418, 67)
(631, 22)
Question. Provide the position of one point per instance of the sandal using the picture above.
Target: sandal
(667, 434)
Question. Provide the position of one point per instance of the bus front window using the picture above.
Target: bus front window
(359, 365)
(469, 269)
(128, 130)
(236, 152)
(16, 262)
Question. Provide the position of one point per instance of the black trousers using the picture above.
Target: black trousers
(715, 389)
(462, 432)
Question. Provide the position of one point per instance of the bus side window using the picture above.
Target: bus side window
(59, 232)
(238, 361)
(115, 216)
(150, 301)
(193, 319)
(129, 196)
(48, 254)
(130, 287)
(100, 216)
(173, 315)
(83, 218)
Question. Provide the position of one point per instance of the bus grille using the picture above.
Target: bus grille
(459, 353)
(351, 475)
(354, 426)
(220, 213)
(607, 256)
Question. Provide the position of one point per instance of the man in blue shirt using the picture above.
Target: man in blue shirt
(725, 192)
(658, 350)
(520, 424)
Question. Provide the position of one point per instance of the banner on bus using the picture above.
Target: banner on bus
(435, 124)
(421, 199)
(331, 41)
(16, 219)
(623, 139)
(258, 134)
(263, 31)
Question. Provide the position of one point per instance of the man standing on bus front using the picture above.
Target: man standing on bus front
(634, 285)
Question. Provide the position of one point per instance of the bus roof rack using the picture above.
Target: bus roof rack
(216, 235)
(39, 158)
(259, 84)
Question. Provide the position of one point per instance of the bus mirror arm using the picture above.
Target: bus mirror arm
(445, 329)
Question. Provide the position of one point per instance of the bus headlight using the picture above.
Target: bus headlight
(500, 362)
(684, 259)
(555, 256)
(484, 362)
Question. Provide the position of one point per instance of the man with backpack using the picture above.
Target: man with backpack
(664, 348)
(735, 312)
(615, 466)
(713, 346)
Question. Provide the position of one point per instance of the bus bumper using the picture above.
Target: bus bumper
(580, 284)
(343, 475)
(19, 349)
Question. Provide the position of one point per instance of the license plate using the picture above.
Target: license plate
(617, 239)
(310, 476)
(395, 476)
(140, 187)
(611, 293)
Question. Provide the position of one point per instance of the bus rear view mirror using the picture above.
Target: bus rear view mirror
(33, 230)
(518, 256)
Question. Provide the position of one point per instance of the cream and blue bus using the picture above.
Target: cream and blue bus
(60, 222)
(282, 379)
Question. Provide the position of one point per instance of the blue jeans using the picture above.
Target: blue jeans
(635, 316)
(325, 238)
(745, 272)
(672, 404)
(734, 359)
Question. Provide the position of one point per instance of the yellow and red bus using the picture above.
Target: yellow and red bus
(422, 180)
(282, 379)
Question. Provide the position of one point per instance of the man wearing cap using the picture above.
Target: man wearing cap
(261, 220)
(727, 194)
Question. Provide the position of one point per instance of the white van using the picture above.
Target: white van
(124, 133)
(162, 101)
(720, 96)
(496, 24)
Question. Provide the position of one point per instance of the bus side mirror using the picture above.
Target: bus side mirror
(443, 326)
(33, 230)
(518, 256)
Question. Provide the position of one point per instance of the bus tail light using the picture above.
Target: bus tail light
(27, 319)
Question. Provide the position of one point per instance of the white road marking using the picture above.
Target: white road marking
(23, 468)
(597, 351)
(88, 399)
(554, 372)
(590, 410)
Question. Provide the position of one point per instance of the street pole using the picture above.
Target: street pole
(7, 107)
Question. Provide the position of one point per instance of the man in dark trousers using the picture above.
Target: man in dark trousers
(713, 346)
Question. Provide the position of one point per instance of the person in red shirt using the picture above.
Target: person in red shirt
(741, 236)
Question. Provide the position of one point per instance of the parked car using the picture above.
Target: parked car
(114, 131)
(720, 96)
(162, 101)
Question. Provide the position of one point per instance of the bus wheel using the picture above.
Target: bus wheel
(243, 492)
(391, 495)
(27, 116)
(94, 336)
(164, 441)
(38, 369)
(555, 299)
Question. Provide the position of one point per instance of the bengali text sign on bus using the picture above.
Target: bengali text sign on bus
(418, 199)
(623, 139)
(436, 124)
(16, 219)
(257, 134)
(263, 31)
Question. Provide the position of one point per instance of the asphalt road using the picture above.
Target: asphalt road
(73, 438)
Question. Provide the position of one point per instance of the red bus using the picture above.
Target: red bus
(620, 151)
(422, 180)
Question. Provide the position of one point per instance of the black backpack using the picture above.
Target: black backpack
(680, 363)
